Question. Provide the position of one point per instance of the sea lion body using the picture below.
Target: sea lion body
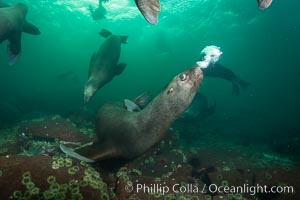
(12, 20)
(124, 134)
(104, 64)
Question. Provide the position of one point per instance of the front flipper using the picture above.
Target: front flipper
(14, 47)
(91, 153)
(131, 106)
(31, 29)
(120, 68)
(149, 9)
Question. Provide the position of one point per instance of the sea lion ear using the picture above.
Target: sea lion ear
(170, 90)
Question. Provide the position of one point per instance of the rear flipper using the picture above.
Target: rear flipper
(90, 153)
(149, 9)
(237, 83)
(106, 33)
(72, 153)
(14, 47)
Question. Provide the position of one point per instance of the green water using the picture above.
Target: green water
(261, 47)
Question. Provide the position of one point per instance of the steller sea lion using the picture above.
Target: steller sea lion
(264, 4)
(12, 20)
(104, 63)
(220, 71)
(149, 9)
(27, 26)
(125, 134)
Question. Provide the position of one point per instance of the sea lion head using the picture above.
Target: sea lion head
(89, 91)
(22, 8)
(183, 88)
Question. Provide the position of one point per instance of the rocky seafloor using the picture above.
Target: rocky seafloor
(33, 167)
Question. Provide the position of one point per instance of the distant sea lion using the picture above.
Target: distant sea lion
(99, 12)
(12, 23)
(264, 4)
(104, 63)
(198, 110)
(125, 134)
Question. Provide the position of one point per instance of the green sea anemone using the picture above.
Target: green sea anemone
(30, 185)
(26, 174)
(194, 198)
(77, 196)
(83, 183)
(224, 183)
(207, 197)
(71, 171)
(104, 196)
(26, 180)
(48, 195)
(219, 177)
(51, 179)
(238, 196)
(60, 196)
(35, 191)
(55, 157)
(17, 194)
(170, 197)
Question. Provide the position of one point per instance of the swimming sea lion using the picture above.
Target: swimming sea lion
(220, 71)
(125, 134)
(264, 4)
(149, 9)
(104, 63)
(27, 26)
(12, 20)
(99, 12)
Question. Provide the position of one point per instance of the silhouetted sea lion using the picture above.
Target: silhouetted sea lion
(104, 63)
(125, 134)
(99, 12)
(12, 20)
(220, 71)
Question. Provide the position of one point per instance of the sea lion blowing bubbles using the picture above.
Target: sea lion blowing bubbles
(125, 134)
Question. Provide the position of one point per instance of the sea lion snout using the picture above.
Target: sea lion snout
(196, 75)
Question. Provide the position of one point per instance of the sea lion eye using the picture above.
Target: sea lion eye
(183, 77)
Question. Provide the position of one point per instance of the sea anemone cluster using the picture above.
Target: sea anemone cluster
(70, 190)
(31, 189)
(93, 179)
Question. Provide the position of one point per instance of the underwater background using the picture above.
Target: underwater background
(261, 47)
